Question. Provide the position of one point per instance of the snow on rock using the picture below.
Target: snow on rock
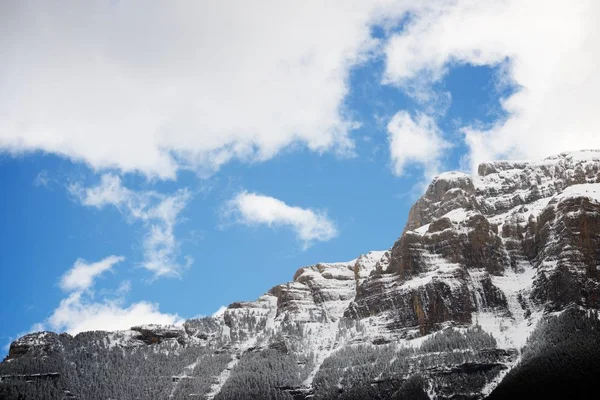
(127, 338)
(453, 176)
(578, 156)
(152, 333)
(39, 341)
(35, 339)
(443, 271)
(367, 263)
(589, 190)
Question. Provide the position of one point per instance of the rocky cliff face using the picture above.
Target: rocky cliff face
(443, 313)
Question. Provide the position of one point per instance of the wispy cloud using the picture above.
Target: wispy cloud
(158, 212)
(82, 275)
(41, 179)
(256, 209)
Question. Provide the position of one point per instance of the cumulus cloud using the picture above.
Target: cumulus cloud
(159, 86)
(548, 50)
(78, 313)
(417, 140)
(255, 209)
(81, 276)
(158, 212)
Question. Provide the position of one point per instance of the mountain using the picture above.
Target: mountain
(490, 291)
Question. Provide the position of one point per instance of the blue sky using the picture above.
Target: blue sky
(155, 174)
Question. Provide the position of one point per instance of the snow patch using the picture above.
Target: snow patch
(589, 190)
(452, 176)
(422, 230)
(511, 331)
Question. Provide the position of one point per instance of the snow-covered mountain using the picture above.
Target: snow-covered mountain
(482, 263)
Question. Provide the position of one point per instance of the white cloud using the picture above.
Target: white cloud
(416, 140)
(81, 276)
(77, 313)
(255, 209)
(552, 48)
(103, 83)
(158, 212)
(124, 288)
(159, 86)
(110, 191)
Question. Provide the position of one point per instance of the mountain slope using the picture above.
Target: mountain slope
(444, 313)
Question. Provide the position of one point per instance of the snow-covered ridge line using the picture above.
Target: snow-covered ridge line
(518, 189)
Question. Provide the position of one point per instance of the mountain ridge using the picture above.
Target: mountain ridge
(443, 313)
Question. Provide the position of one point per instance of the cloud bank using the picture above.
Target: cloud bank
(104, 83)
(155, 87)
